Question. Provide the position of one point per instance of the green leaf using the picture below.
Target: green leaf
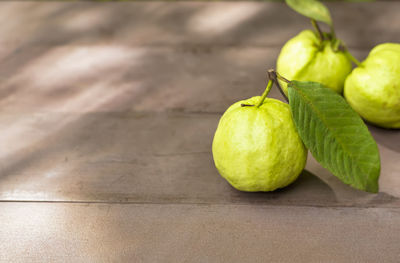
(312, 9)
(335, 134)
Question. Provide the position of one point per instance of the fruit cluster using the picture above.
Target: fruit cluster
(261, 143)
(372, 88)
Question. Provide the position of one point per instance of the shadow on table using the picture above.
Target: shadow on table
(389, 138)
(308, 189)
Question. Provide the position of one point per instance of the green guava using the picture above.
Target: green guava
(373, 88)
(307, 58)
(258, 148)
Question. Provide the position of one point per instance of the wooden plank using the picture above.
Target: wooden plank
(185, 233)
(152, 158)
(111, 77)
(52, 150)
(118, 102)
(361, 25)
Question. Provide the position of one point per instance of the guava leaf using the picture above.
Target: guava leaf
(335, 134)
(312, 9)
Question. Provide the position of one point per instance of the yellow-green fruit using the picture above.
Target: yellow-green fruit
(258, 148)
(373, 88)
(306, 58)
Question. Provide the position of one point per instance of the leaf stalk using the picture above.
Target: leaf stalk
(352, 58)
(272, 74)
(318, 29)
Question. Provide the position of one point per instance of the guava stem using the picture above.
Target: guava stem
(266, 91)
(279, 76)
(336, 44)
(281, 91)
(272, 74)
(316, 26)
(350, 56)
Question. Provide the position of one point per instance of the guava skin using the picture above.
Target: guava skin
(258, 149)
(306, 58)
(373, 88)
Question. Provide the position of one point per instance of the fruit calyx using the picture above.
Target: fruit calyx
(325, 37)
(336, 44)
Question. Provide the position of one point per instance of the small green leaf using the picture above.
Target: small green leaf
(335, 134)
(312, 9)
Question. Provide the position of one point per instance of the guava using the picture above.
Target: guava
(308, 58)
(257, 148)
(373, 88)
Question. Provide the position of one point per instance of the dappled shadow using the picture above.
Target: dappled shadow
(185, 44)
(71, 60)
(94, 101)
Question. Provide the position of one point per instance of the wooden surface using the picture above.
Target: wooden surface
(107, 113)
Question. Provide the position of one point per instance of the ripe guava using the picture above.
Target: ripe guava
(258, 148)
(373, 88)
(308, 58)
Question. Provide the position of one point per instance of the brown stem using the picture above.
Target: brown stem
(272, 74)
(282, 78)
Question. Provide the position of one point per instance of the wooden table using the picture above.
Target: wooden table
(107, 115)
